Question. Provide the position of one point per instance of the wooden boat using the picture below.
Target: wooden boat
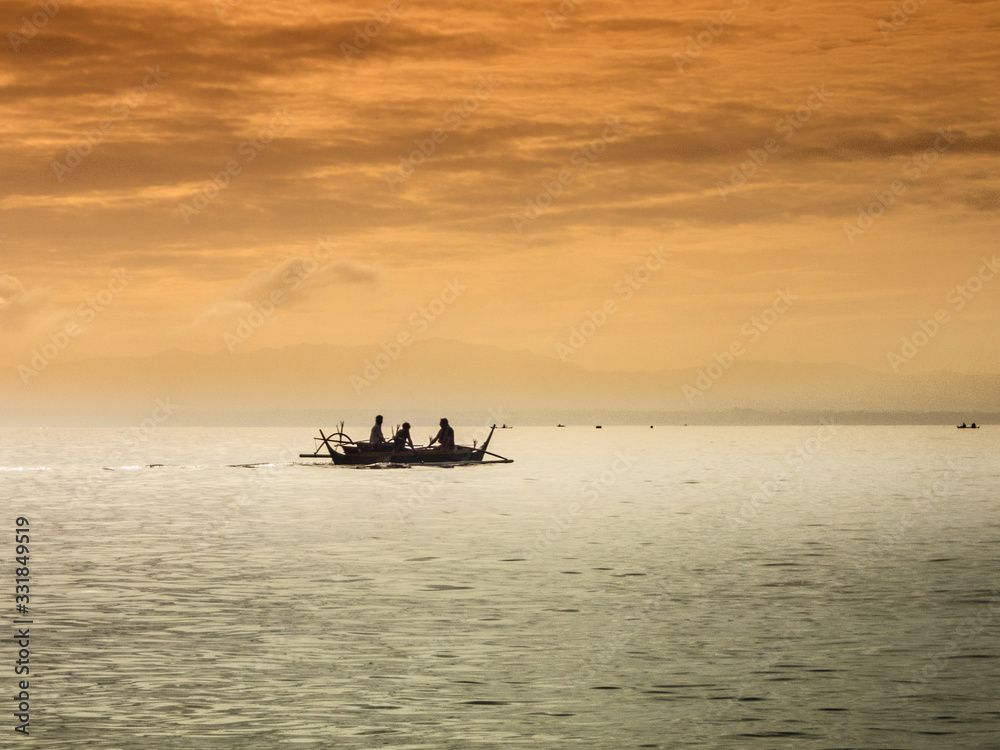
(343, 451)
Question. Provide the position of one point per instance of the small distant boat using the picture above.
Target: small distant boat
(560, 425)
(343, 451)
(598, 427)
(965, 426)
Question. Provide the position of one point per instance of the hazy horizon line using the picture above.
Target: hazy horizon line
(464, 419)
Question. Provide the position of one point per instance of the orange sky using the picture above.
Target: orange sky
(631, 124)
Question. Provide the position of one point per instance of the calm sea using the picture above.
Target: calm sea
(728, 587)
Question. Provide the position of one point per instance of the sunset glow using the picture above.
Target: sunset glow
(615, 187)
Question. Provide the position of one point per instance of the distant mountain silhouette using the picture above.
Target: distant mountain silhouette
(437, 375)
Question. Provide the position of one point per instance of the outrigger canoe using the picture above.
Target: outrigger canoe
(343, 451)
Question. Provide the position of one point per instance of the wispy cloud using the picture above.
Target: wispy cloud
(20, 308)
(352, 119)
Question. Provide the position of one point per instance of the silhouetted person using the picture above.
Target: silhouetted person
(973, 425)
(403, 438)
(445, 437)
(376, 437)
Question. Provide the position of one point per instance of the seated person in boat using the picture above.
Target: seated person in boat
(376, 437)
(403, 438)
(445, 437)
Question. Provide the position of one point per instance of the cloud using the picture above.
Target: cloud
(351, 121)
(20, 308)
(983, 200)
(290, 283)
(296, 278)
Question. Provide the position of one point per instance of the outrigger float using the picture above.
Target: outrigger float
(343, 451)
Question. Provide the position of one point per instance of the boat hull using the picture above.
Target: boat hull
(345, 452)
(367, 458)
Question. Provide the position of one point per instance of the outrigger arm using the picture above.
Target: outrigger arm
(326, 442)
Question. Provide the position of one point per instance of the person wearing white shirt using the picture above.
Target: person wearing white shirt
(376, 438)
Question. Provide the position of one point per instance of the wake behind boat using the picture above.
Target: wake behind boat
(343, 451)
